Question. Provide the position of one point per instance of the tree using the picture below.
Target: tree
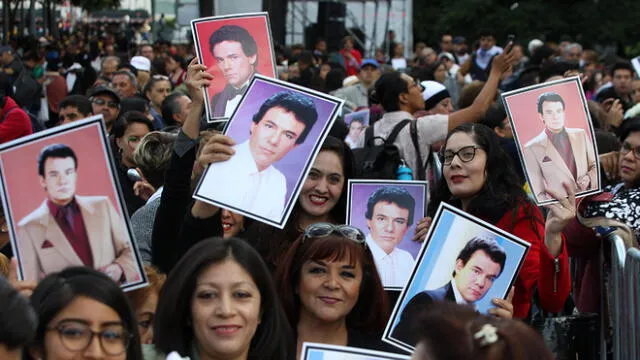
(586, 21)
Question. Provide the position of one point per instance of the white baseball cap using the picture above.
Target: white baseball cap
(141, 63)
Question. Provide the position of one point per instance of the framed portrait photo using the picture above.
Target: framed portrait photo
(387, 212)
(278, 129)
(234, 48)
(64, 206)
(315, 351)
(554, 135)
(464, 260)
(357, 122)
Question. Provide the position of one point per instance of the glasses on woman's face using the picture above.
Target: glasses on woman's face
(626, 147)
(465, 154)
(76, 336)
(326, 229)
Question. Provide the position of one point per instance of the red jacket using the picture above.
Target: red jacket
(538, 268)
(14, 122)
(352, 67)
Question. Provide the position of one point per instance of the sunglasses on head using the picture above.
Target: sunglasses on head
(326, 229)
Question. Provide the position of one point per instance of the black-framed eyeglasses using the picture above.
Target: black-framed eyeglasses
(626, 147)
(100, 102)
(77, 336)
(417, 83)
(465, 154)
(325, 229)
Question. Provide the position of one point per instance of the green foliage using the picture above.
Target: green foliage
(587, 21)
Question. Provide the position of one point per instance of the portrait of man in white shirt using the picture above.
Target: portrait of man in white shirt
(389, 214)
(249, 181)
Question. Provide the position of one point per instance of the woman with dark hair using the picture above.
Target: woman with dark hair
(83, 314)
(156, 90)
(480, 179)
(174, 68)
(331, 290)
(219, 302)
(451, 331)
(126, 133)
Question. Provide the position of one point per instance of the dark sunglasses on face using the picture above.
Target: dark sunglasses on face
(325, 229)
(465, 154)
(111, 104)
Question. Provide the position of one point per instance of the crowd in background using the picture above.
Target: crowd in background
(226, 287)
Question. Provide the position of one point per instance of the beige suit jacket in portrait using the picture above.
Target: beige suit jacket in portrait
(43, 247)
(547, 168)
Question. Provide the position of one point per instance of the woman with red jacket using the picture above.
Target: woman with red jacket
(480, 179)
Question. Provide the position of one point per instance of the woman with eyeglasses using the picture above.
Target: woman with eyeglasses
(479, 178)
(157, 89)
(82, 314)
(145, 301)
(330, 288)
(615, 210)
(219, 302)
(126, 133)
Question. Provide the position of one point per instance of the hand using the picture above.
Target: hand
(422, 227)
(615, 112)
(197, 78)
(143, 190)
(561, 212)
(217, 149)
(502, 62)
(504, 308)
(609, 163)
(114, 271)
(584, 182)
(23, 287)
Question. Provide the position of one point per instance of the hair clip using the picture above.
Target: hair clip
(487, 335)
(175, 356)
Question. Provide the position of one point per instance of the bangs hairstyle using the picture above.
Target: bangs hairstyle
(173, 329)
(369, 314)
(56, 291)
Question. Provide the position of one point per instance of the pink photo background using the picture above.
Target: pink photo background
(524, 111)
(22, 182)
(257, 26)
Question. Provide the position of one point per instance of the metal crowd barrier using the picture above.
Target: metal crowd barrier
(623, 304)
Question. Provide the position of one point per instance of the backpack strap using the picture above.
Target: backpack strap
(368, 136)
(396, 130)
(416, 145)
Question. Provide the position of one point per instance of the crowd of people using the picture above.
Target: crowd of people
(222, 286)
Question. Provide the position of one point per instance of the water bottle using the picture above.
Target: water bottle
(404, 172)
